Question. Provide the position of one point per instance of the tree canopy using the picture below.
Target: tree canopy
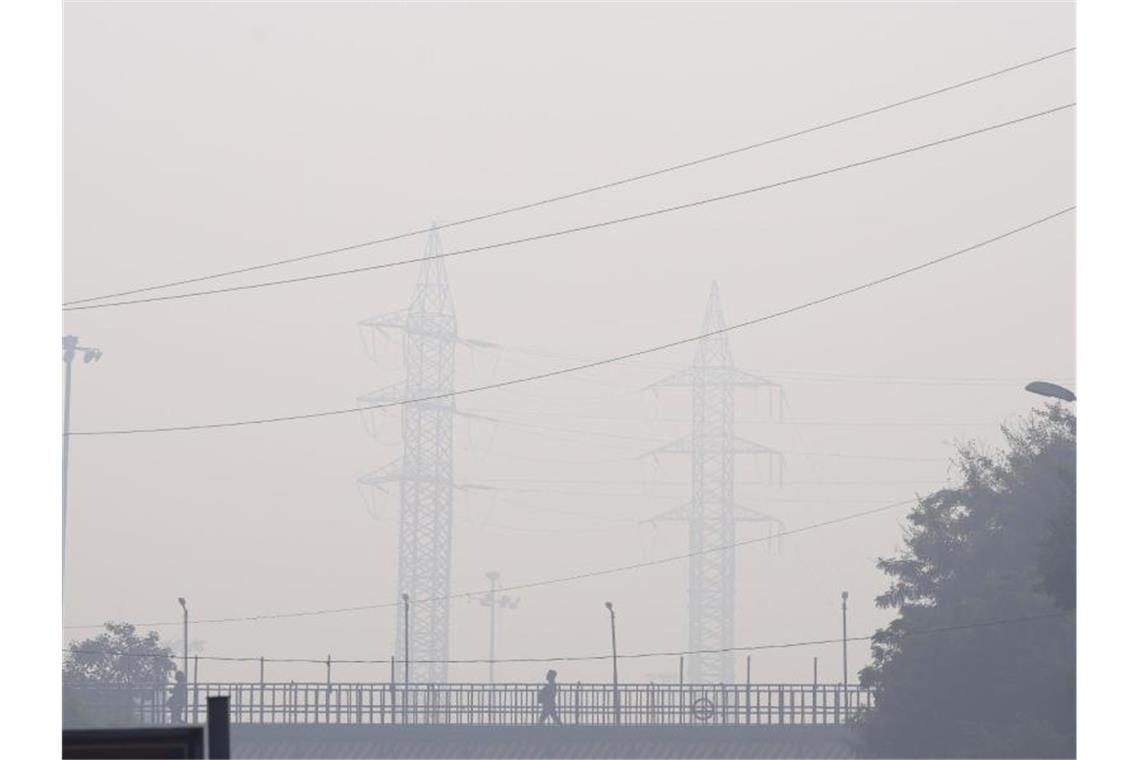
(118, 656)
(994, 557)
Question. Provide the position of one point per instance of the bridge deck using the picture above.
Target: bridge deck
(331, 741)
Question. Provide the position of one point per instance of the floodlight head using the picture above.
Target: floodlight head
(845, 596)
(1052, 390)
(182, 601)
(610, 606)
(493, 575)
(405, 597)
(92, 355)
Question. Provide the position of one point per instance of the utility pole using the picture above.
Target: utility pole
(613, 645)
(70, 346)
(490, 599)
(185, 636)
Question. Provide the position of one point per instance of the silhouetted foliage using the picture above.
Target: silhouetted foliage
(100, 659)
(98, 674)
(998, 547)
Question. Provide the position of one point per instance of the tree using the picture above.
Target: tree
(108, 678)
(999, 547)
(119, 656)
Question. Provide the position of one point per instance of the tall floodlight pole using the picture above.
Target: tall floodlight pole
(613, 649)
(493, 599)
(425, 472)
(70, 347)
(186, 637)
(712, 512)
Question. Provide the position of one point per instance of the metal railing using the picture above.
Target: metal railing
(475, 704)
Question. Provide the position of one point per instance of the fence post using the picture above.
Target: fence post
(780, 704)
(261, 688)
(393, 688)
(218, 726)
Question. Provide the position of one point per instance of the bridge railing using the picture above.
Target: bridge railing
(476, 704)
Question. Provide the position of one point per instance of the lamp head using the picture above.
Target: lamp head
(610, 606)
(182, 601)
(1051, 390)
(845, 596)
(405, 597)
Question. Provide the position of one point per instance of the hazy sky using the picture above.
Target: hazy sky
(202, 137)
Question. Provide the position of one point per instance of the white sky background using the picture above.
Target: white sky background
(200, 138)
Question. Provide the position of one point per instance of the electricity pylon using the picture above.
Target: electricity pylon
(712, 512)
(425, 472)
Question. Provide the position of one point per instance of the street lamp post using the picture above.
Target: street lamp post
(844, 651)
(613, 648)
(407, 645)
(845, 639)
(492, 576)
(70, 347)
(185, 637)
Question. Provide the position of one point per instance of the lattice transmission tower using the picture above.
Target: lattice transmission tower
(712, 512)
(425, 471)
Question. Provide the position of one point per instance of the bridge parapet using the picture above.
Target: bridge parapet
(474, 704)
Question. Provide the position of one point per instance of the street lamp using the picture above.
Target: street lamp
(185, 636)
(613, 648)
(845, 639)
(407, 644)
(1052, 390)
(70, 347)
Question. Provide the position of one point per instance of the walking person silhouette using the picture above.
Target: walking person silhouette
(546, 700)
(177, 701)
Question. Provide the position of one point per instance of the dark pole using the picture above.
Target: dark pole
(845, 653)
(218, 726)
(407, 645)
(613, 645)
(845, 640)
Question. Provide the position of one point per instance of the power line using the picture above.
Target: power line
(584, 227)
(539, 583)
(587, 190)
(583, 658)
(599, 362)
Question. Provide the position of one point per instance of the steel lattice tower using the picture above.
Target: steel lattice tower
(712, 512)
(425, 472)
